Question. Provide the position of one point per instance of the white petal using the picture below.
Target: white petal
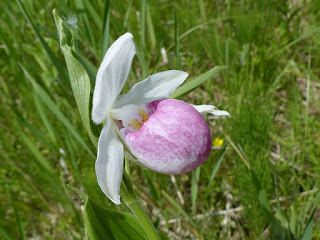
(112, 75)
(156, 86)
(210, 109)
(109, 163)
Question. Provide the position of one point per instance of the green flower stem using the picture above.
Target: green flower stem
(129, 197)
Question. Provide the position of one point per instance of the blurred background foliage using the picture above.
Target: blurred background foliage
(271, 88)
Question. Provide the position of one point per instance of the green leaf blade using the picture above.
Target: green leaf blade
(196, 82)
(101, 223)
(79, 78)
(307, 235)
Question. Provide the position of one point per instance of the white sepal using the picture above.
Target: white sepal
(109, 163)
(111, 76)
(156, 86)
(210, 109)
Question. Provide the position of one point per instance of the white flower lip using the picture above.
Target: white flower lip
(107, 104)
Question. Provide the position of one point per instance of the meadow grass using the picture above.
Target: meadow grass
(271, 88)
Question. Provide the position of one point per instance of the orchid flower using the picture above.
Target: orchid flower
(166, 135)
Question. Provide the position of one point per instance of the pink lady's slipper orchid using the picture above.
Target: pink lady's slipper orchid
(165, 135)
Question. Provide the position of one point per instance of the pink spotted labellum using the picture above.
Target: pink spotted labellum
(166, 135)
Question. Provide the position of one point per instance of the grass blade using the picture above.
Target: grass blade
(195, 187)
(85, 20)
(196, 82)
(176, 40)
(215, 169)
(94, 14)
(151, 32)
(143, 38)
(106, 28)
(36, 153)
(4, 234)
(18, 222)
(44, 119)
(53, 107)
(60, 68)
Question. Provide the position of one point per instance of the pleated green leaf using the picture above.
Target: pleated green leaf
(101, 223)
(79, 78)
(307, 234)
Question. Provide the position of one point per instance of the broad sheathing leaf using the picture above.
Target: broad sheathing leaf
(196, 82)
(101, 223)
(307, 234)
(79, 78)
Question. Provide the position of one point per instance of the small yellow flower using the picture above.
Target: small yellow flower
(217, 142)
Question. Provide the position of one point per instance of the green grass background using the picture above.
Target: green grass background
(271, 88)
